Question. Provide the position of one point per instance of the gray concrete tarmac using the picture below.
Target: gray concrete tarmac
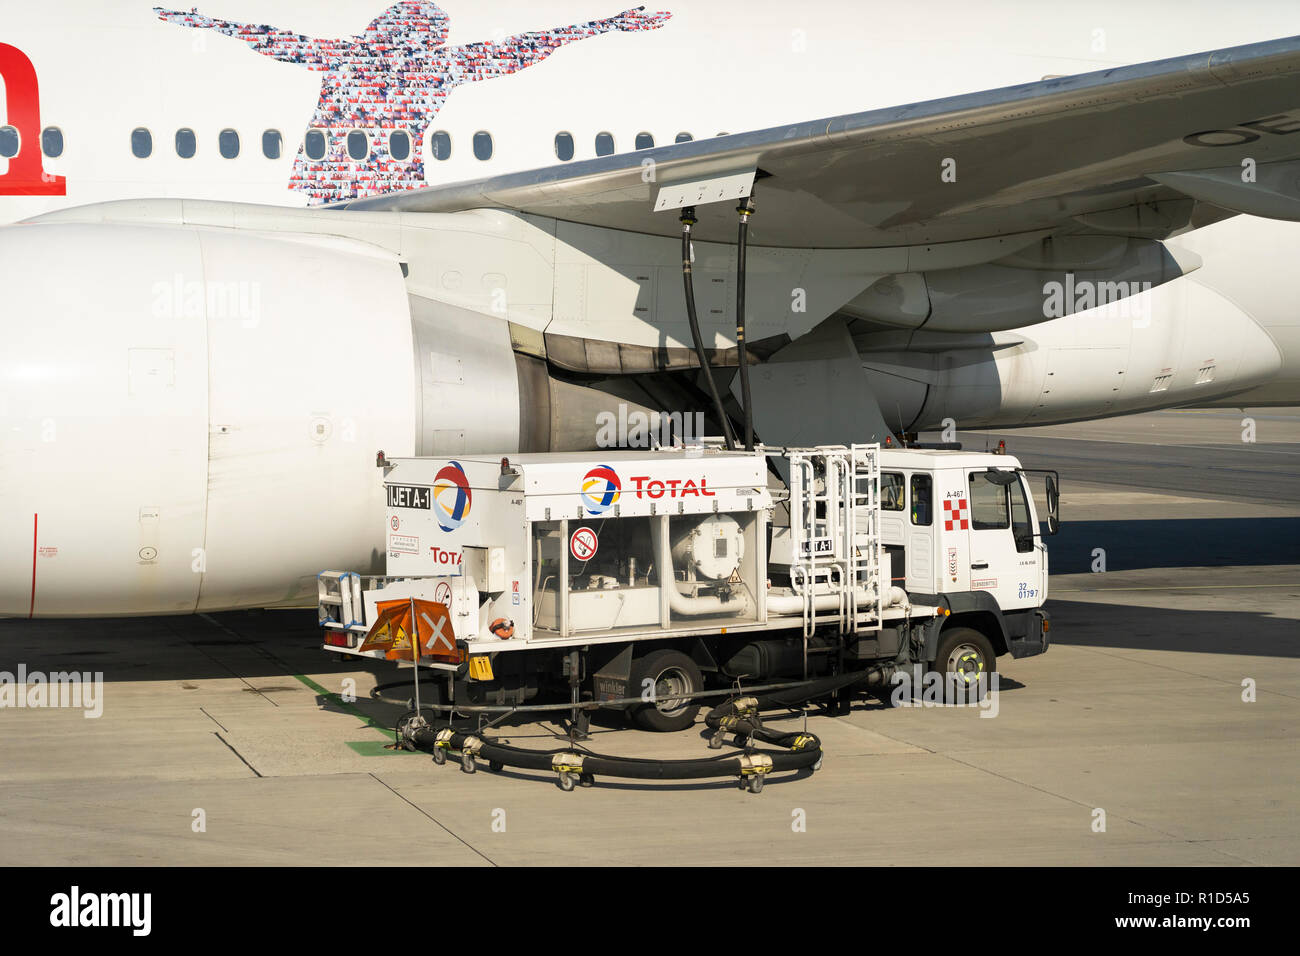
(1135, 716)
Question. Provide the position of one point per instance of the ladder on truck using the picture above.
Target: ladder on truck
(834, 509)
(338, 601)
(864, 546)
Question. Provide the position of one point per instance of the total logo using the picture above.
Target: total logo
(600, 489)
(451, 496)
(446, 558)
(647, 487)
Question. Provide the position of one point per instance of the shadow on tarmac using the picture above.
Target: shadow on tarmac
(1238, 631)
(1175, 543)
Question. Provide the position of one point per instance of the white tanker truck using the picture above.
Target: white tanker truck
(657, 574)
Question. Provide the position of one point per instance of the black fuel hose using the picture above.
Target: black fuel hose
(797, 687)
(800, 750)
(687, 220)
(745, 209)
(740, 715)
(808, 752)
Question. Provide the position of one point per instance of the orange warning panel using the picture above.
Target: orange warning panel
(393, 629)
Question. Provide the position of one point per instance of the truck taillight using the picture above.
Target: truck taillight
(338, 639)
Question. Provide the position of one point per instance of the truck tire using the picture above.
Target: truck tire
(964, 656)
(672, 672)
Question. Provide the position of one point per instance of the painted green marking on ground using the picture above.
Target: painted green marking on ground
(375, 748)
(344, 705)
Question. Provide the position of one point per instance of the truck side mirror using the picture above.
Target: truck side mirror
(1053, 505)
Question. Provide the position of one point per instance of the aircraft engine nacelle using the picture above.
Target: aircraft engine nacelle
(189, 417)
(1057, 277)
(1181, 343)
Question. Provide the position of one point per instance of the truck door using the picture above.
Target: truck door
(892, 535)
(952, 562)
(920, 567)
(1005, 559)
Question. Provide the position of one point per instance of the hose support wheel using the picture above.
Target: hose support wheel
(567, 763)
(755, 764)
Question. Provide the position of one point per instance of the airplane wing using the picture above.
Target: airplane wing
(1125, 151)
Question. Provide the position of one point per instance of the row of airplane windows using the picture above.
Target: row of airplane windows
(316, 143)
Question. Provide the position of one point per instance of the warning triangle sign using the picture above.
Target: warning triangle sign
(393, 632)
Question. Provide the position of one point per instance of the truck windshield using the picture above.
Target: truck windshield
(988, 503)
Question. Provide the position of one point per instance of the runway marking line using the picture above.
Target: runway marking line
(343, 705)
(376, 748)
(361, 747)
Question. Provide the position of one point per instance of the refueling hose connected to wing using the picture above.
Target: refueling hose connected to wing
(745, 209)
(688, 219)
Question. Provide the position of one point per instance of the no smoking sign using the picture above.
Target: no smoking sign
(582, 545)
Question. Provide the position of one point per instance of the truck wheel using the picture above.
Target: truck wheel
(672, 674)
(963, 658)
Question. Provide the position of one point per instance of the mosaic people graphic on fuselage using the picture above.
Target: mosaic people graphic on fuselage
(395, 76)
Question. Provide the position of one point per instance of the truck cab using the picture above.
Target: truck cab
(961, 529)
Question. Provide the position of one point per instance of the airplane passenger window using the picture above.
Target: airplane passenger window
(186, 143)
(604, 144)
(399, 145)
(644, 141)
(141, 143)
(440, 145)
(564, 146)
(683, 138)
(358, 145)
(271, 144)
(314, 144)
(8, 142)
(52, 142)
(482, 145)
(228, 143)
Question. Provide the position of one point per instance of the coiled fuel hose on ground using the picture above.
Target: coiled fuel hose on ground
(739, 716)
